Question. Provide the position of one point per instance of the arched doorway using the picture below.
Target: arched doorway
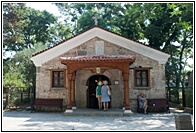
(92, 101)
(121, 62)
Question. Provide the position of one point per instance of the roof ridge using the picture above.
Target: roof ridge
(133, 40)
(102, 29)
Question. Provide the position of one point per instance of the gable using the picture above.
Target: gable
(64, 47)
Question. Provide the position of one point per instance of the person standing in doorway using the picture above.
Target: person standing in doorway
(98, 94)
(105, 98)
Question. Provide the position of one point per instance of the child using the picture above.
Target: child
(98, 94)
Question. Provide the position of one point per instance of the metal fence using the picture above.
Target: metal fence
(175, 95)
(14, 97)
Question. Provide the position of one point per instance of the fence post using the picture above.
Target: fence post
(7, 97)
(29, 91)
(21, 96)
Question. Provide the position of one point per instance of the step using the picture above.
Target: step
(96, 112)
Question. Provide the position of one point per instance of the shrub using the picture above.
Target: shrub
(189, 97)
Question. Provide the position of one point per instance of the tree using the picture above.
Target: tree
(38, 28)
(80, 14)
(19, 70)
(13, 78)
(169, 23)
(164, 26)
(59, 32)
(23, 27)
(14, 20)
(185, 53)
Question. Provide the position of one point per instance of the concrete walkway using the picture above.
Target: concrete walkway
(56, 121)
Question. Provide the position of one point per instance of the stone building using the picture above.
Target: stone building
(71, 69)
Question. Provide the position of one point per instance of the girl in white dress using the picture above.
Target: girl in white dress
(105, 98)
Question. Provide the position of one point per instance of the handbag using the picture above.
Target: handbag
(109, 93)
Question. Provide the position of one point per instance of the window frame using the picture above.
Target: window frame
(148, 77)
(52, 79)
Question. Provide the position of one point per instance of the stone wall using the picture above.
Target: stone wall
(81, 87)
(157, 76)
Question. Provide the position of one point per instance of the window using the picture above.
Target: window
(142, 77)
(57, 78)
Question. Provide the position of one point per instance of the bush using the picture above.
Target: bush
(189, 97)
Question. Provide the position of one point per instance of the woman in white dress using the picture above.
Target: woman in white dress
(105, 98)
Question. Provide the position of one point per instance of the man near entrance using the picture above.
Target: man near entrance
(105, 97)
(98, 94)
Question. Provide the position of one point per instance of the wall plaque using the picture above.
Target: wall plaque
(116, 82)
(99, 46)
(98, 70)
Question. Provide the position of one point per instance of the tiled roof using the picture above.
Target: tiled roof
(99, 58)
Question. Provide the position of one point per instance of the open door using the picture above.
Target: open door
(92, 101)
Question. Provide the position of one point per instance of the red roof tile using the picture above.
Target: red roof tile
(99, 58)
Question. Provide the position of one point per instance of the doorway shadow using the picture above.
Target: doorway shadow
(92, 101)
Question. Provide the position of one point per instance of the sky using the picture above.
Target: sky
(48, 6)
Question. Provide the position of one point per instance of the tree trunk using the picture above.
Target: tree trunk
(183, 97)
(180, 71)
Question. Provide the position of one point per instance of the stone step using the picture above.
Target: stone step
(96, 112)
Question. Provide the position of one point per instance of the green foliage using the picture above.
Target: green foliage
(38, 28)
(131, 21)
(113, 16)
(14, 20)
(20, 71)
(165, 26)
(25, 30)
(13, 78)
(59, 32)
(23, 27)
(189, 97)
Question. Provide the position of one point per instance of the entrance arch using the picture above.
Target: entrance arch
(99, 63)
(92, 101)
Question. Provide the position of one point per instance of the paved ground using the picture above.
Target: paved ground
(55, 121)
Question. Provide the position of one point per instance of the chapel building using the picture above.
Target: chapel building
(72, 68)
